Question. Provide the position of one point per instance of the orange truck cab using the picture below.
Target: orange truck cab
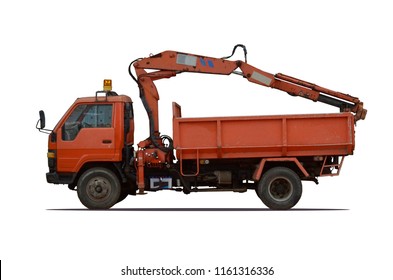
(95, 132)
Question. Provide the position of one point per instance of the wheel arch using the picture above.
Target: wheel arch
(115, 167)
(290, 162)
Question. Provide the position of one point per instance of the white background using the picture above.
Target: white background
(55, 51)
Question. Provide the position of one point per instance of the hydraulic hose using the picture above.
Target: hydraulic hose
(234, 50)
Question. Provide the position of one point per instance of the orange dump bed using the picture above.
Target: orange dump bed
(263, 136)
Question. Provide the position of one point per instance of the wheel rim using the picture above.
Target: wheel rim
(280, 189)
(98, 188)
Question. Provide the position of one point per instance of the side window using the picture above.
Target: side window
(87, 116)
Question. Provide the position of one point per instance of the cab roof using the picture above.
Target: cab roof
(109, 98)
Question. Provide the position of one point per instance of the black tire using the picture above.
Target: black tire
(127, 189)
(123, 194)
(280, 188)
(98, 188)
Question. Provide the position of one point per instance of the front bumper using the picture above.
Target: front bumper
(60, 178)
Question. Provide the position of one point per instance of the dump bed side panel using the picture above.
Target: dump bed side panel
(264, 136)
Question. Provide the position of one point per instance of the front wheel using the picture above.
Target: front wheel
(98, 188)
(280, 188)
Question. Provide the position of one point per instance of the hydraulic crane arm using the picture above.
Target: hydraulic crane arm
(170, 63)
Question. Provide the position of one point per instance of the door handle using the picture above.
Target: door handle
(106, 141)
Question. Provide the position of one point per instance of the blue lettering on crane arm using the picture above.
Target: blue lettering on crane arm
(210, 63)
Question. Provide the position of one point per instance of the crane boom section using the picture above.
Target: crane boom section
(170, 63)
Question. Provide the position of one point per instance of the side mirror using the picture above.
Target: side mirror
(41, 124)
(41, 121)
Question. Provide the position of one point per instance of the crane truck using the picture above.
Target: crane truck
(91, 149)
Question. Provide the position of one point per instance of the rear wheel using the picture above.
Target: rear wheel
(99, 188)
(280, 188)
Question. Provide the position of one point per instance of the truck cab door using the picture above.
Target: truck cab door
(87, 135)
